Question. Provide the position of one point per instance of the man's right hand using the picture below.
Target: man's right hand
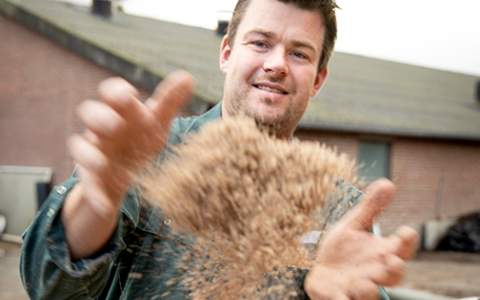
(122, 135)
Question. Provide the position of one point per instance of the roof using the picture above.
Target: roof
(362, 95)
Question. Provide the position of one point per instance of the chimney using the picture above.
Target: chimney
(223, 17)
(222, 27)
(102, 8)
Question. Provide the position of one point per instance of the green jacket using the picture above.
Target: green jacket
(138, 262)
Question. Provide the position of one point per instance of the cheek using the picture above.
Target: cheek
(246, 65)
(306, 83)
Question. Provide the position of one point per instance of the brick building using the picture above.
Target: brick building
(418, 126)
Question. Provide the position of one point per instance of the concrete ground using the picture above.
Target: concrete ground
(10, 285)
(449, 274)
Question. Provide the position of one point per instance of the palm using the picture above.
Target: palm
(122, 135)
(351, 262)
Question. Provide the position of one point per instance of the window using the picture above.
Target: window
(374, 160)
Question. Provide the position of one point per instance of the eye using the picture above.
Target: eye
(300, 55)
(260, 44)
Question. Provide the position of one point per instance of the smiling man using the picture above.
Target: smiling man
(272, 61)
(95, 239)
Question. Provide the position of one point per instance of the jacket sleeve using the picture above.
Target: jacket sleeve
(46, 268)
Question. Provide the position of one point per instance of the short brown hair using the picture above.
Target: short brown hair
(325, 7)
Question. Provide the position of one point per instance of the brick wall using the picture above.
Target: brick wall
(433, 178)
(41, 84)
(344, 143)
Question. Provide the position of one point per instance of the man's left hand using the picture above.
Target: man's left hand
(351, 262)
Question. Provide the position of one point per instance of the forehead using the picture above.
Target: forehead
(287, 21)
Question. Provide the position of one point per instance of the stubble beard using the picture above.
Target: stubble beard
(280, 126)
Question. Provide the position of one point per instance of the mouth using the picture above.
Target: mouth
(270, 88)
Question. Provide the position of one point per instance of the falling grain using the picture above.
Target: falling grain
(247, 198)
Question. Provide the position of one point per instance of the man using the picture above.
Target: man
(95, 240)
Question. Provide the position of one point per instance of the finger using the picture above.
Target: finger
(101, 143)
(100, 118)
(388, 272)
(86, 154)
(122, 97)
(408, 240)
(94, 166)
(171, 95)
(378, 196)
(91, 137)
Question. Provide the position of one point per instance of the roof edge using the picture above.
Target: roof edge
(372, 130)
(407, 64)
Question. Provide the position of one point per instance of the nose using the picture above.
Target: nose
(275, 63)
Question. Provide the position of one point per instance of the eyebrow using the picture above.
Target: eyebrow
(269, 35)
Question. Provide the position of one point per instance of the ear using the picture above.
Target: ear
(319, 81)
(225, 51)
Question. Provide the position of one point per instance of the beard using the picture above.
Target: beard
(281, 125)
(274, 128)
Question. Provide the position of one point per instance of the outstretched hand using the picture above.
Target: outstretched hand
(351, 262)
(122, 134)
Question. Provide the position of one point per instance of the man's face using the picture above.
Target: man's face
(271, 68)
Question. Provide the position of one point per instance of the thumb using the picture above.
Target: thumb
(378, 196)
(171, 95)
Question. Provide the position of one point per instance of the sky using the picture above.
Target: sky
(442, 34)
